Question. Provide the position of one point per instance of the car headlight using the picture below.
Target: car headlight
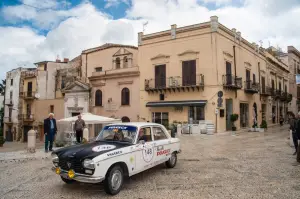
(54, 158)
(88, 164)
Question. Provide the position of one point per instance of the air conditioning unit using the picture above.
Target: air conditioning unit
(173, 82)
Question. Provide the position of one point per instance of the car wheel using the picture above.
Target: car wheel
(114, 180)
(67, 181)
(171, 163)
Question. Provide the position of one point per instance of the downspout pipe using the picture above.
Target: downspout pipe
(234, 56)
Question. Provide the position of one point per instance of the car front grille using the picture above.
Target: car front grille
(67, 164)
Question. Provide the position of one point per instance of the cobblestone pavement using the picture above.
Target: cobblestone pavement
(250, 165)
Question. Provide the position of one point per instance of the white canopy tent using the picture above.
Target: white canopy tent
(90, 119)
(65, 126)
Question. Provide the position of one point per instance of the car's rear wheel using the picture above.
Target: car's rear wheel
(67, 181)
(114, 180)
(171, 163)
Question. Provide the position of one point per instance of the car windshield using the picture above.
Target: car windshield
(119, 133)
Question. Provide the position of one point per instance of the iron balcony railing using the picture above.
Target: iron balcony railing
(251, 87)
(7, 120)
(28, 117)
(9, 102)
(174, 82)
(29, 94)
(266, 91)
(233, 82)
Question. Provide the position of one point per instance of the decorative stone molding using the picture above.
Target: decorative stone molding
(173, 31)
(160, 56)
(227, 54)
(189, 52)
(214, 23)
(248, 64)
(125, 82)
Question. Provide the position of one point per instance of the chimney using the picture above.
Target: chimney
(239, 35)
(173, 31)
(66, 60)
(57, 60)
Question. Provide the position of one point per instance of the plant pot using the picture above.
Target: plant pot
(233, 128)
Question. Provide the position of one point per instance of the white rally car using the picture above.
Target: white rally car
(120, 150)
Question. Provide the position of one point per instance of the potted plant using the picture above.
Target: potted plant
(263, 126)
(233, 118)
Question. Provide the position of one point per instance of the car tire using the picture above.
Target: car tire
(114, 180)
(171, 163)
(67, 181)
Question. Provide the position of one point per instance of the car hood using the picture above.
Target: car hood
(90, 150)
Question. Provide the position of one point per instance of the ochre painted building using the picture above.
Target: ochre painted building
(183, 69)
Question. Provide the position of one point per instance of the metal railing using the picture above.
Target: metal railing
(232, 81)
(9, 102)
(28, 117)
(29, 94)
(265, 90)
(249, 85)
(7, 120)
(174, 82)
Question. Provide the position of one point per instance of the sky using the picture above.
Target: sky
(39, 30)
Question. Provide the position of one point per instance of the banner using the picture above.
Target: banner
(298, 79)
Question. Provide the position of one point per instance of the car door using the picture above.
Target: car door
(145, 153)
(162, 145)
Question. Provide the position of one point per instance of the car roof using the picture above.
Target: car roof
(137, 124)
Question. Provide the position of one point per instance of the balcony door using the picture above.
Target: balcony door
(160, 76)
(189, 73)
(263, 84)
(248, 80)
(228, 74)
(29, 89)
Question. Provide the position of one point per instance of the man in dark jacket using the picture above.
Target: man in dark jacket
(78, 128)
(296, 136)
(50, 131)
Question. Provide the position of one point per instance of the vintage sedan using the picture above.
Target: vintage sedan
(119, 151)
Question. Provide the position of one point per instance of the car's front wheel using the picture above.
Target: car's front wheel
(114, 180)
(67, 181)
(171, 163)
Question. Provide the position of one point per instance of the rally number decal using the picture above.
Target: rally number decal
(148, 153)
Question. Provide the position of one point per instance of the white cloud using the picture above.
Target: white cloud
(82, 27)
(111, 3)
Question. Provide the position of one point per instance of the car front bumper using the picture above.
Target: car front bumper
(79, 177)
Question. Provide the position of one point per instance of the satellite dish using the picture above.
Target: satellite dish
(37, 96)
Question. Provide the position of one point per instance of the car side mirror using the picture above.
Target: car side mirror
(141, 141)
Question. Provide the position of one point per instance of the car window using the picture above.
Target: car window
(145, 134)
(159, 134)
(120, 133)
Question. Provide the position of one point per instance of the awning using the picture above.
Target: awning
(177, 103)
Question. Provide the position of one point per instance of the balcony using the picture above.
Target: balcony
(232, 82)
(7, 120)
(289, 98)
(29, 74)
(265, 91)
(276, 94)
(251, 87)
(9, 102)
(28, 117)
(175, 83)
(29, 95)
(283, 96)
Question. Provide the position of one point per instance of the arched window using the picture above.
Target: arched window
(125, 95)
(125, 119)
(118, 63)
(125, 62)
(98, 98)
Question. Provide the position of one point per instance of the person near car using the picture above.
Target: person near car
(50, 130)
(78, 128)
(142, 135)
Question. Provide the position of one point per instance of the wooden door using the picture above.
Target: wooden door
(189, 73)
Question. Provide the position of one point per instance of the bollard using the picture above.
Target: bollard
(31, 141)
(86, 134)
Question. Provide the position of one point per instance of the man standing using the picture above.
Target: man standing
(50, 130)
(78, 128)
